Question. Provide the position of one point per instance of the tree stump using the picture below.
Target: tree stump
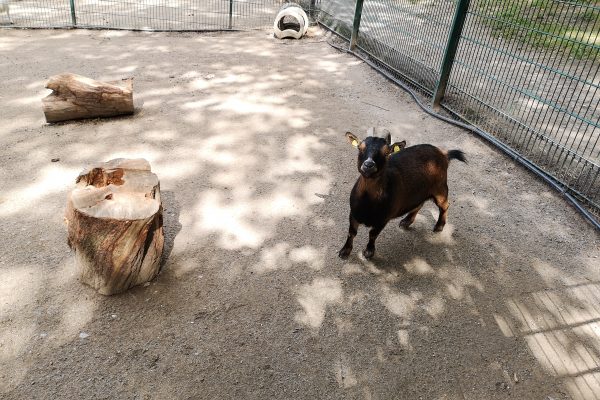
(77, 97)
(114, 223)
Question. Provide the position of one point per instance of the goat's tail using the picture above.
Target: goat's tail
(457, 155)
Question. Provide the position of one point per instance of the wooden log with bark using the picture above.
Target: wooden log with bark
(115, 226)
(76, 97)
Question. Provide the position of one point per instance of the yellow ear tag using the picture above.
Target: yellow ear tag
(396, 148)
(354, 143)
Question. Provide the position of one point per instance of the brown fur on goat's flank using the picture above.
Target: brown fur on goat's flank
(433, 169)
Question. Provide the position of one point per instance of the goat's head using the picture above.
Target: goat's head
(373, 153)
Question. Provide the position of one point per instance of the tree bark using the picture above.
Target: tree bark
(115, 226)
(77, 97)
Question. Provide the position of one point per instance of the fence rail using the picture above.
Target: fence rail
(524, 72)
(153, 15)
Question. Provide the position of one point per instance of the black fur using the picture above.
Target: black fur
(457, 155)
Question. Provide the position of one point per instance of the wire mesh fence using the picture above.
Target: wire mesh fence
(417, 44)
(529, 74)
(524, 72)
(162, 15)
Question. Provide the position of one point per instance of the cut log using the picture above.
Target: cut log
(77, 97)
(115, 226)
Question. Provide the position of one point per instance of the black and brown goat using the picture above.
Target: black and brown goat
(396, 180)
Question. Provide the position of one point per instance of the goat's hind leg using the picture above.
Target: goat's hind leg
(407, 221)
(441, 200)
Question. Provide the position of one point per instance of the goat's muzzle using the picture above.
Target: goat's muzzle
(368, 168)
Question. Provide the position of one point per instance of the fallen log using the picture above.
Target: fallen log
(115, 226)
(76, 97)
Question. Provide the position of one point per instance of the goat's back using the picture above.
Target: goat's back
(419, 162)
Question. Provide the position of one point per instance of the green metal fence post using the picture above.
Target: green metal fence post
(311, 11)
(451, 47)
(356, 24)
(73, 16)
(230, 14)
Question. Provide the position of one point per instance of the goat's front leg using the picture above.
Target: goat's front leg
(373, 233)
(345, 251)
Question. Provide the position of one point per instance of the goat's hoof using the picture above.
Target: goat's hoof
(368, 253)
(344, 252)
(438, 228)
(405, 224)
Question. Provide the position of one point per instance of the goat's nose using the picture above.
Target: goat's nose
(369, 164)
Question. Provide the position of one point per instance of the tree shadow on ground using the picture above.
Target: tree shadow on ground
(171, 224)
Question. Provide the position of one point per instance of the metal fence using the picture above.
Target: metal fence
(525, 73)
(152, 15)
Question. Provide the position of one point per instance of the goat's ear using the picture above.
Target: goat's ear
(353, 140)
(388, 138)
(396, 147)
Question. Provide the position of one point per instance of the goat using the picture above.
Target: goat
(395, 180)
(5, 7)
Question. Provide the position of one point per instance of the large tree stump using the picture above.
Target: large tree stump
(114, 222)
(77, 97)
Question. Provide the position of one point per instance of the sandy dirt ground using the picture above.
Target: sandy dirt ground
(246, 135)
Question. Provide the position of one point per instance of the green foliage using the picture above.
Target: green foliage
(572, 26)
